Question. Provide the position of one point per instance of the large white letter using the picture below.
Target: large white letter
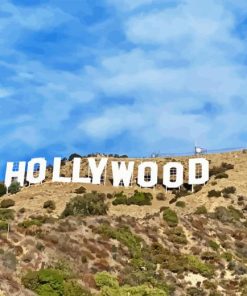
(97, 170)
(153, 174)
(18, 174)
(179, 170)
(56, 172)
(76, 172)
(121, 173)
(41, 173)
(204, 172)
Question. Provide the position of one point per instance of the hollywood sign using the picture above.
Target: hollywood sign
(122, 172)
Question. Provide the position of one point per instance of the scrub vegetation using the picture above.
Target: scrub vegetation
(73, 240)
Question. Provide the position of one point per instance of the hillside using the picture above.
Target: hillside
(174, 243)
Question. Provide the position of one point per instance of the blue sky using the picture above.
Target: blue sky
(129, 77)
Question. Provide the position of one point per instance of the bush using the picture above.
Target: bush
(213, 245)
(80, 190)
(214, 193)
(193, 291)
(3, 189)
(125, 236)
(177, 235)
(30, 222)
(109, 196)
(89, 204)
(110, 287)
(3, 226)
(229, 190)
(202, 210)
(51, 282)
(72, 288)
(170, 217)
(180, 204)
(182, 192)
(49, 204)
(227, 256)
(160, 196)
(196, 265)
(138, 198)
(221, 169)
(120, 201)
(221, 176)
(7, 214)
(229, 214)
(105, 279)
(7, 203)
(235, 213)
(44, 282)
(14, 187)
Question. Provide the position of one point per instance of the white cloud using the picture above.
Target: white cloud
(5, 92)
(184, 58)
(32, 18)
(133, 4)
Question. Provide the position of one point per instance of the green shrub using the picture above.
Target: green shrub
(193, 291)
(235, 213)
(142, 290)
(110, 287)
(214, 193)
(3, 226)
(51, 282)
(227, 256)
(3, 189)
(170, 217)
(213, 245)
(177, 235)
(7, 214)
(14, 187)
(125, 236)
(227, 215)
(182, 192)
(49, 204)
(80, 190)
(180, 204)
(72, 288)
(196, 265)
(30, 222)
(89, 204)
(138, 198)
(105, 279)
(209, 256)
(120, 199)
(221, 176)
(229, 190)
(221, 169)
(202, 210)
(7, 203)
(45, 282)
(63, 266)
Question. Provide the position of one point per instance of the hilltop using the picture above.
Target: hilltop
(150, 242)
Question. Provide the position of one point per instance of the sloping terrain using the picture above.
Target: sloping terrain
(174, 243)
